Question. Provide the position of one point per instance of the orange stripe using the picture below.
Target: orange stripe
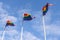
(26, 15)
(44, 8)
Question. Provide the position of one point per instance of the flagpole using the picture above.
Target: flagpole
(4, 31)
(22, 31)
(44, 28)
(3, 34)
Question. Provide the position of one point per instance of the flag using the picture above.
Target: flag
(45, 8)
(27, 17)
(9, 23)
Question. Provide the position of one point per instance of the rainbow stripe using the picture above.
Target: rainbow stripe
(45, 9)
(27, 17)
(9, 23)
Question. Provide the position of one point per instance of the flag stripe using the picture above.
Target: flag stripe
(27, 17)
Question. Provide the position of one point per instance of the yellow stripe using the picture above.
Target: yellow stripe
(44, 9)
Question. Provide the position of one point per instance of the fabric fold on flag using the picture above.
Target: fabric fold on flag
(9, 23)
(27, 17)
(45, 8)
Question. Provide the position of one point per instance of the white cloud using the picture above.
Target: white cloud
(53, 38)
(12, 18)
(4, 15)
(30, 36)
(10, 35)
(51, 29)
(11, 32)
(15, 35)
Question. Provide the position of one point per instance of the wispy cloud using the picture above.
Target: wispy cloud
(30, 36)
(53, 38)
(52, 28)
(4, 15)
(15, 35)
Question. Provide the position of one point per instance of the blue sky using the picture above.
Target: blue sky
(33, 30)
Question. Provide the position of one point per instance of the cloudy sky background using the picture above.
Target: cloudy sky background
(33, 30)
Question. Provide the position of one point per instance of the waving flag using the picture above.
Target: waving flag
(27, 17)
(9, 23)
(45, 8)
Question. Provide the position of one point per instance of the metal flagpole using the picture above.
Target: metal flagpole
(4, 31)
(22, 31)
(44, 28)
(3, 34)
